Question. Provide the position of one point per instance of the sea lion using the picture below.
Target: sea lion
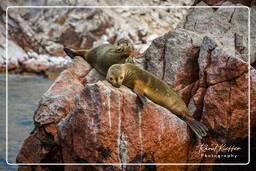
(144, 83)
(103, 56)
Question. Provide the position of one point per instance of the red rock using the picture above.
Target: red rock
(253, 101)
(59, 99)
(225, 107)
(54, 105)
(84, 119)
(107, 125)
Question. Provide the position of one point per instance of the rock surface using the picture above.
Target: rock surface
(219, 2)
(37, 37)
(96, 122)
(253, 36)
(108, 125)
(202, 73)
(228, 26)
(40, 34)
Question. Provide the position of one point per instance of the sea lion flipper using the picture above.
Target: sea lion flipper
(138, 89)
(205, 127)
(198, 128)
(194, 129)
(142, 99)
(69, 52)
(72, 53)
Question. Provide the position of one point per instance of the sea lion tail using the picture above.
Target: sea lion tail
(72, 53)
(69, 52)
(198, 128)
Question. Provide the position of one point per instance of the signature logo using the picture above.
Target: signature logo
(217, 148)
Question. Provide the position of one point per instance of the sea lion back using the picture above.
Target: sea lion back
(103, 56)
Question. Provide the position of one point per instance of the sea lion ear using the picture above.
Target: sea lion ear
(123, 41)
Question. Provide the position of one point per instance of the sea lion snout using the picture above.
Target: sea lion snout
(117, 85)
(113, 83)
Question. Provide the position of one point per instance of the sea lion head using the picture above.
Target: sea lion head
(115, 75)
(125, 47)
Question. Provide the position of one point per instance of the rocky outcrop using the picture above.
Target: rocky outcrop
(201, 75)
(116, 126)
(240, 41)
(109, 125)
(228, 26)
(42, 42)
(82, 118)
(39, 35)
(253, 36)
(219, 2)
(2, 42)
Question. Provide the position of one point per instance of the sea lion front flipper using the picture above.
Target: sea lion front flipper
(140, 92)
(69, 52)
(142, 99)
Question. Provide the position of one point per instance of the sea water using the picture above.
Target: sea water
(24, 93)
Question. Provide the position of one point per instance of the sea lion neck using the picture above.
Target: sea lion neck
(128, 75)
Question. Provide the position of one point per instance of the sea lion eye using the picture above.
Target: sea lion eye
(121, 77)
(119, 49)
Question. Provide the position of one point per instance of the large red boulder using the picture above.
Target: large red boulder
(82, 118)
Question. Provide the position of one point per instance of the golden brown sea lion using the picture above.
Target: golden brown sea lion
(146, 84)
(103, 56)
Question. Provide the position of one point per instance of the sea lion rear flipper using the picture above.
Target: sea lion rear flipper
(69, 53)
(198, 128)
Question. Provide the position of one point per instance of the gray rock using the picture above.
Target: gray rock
(173, 57)
(226, 12)
(253, 35)
(227, 26)
(239, 21)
